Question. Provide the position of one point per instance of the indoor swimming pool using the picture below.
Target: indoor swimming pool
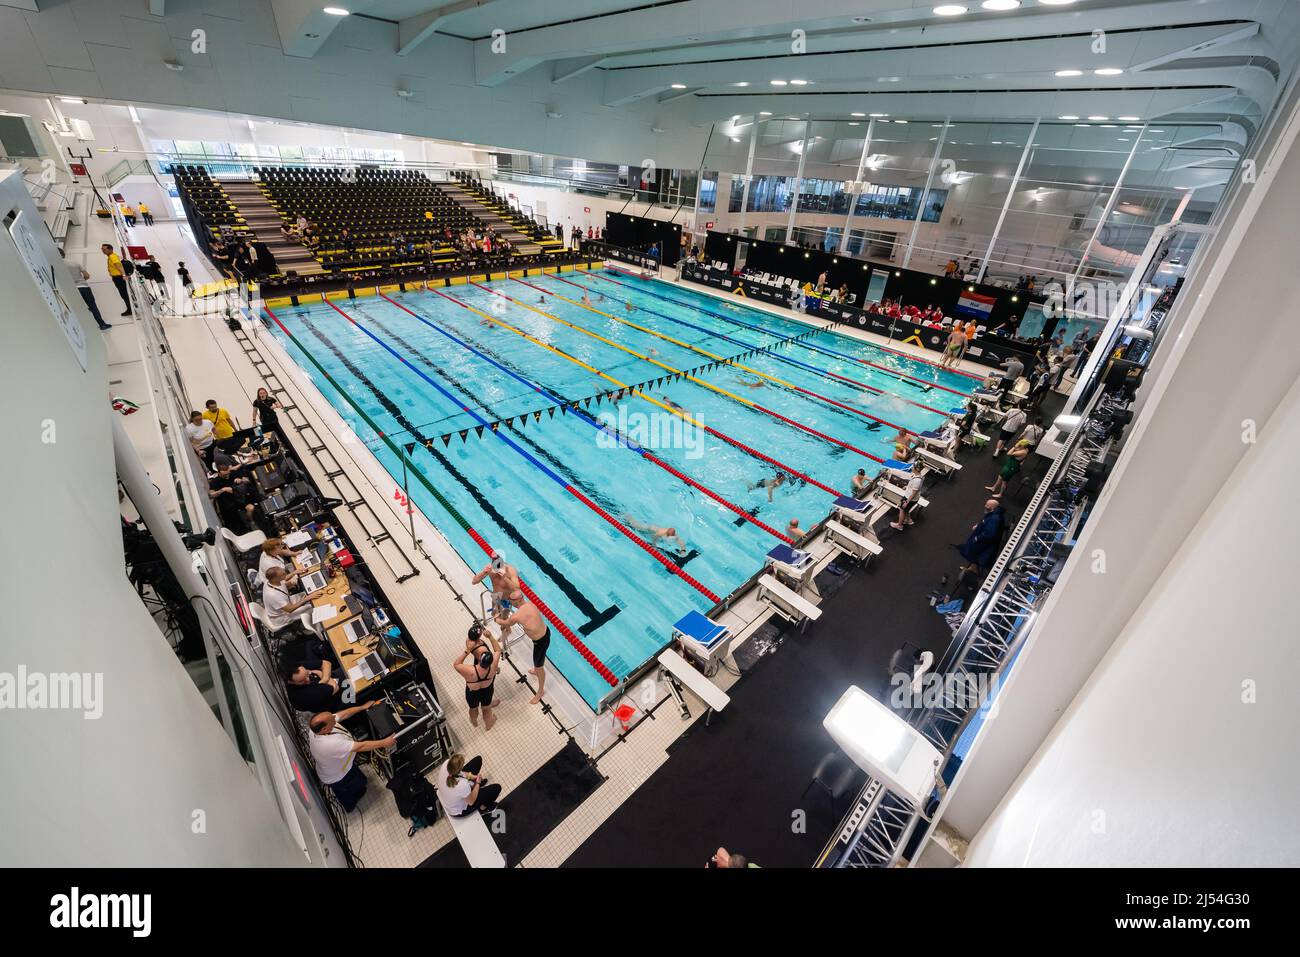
(561, 433)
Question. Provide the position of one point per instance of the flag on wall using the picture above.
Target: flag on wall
(125, 406)
(975, 305)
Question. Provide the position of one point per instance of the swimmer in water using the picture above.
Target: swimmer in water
(658, 534)
(860, 482)
(672, 405)
(771, 484)
(793, 531)
(541, 300)
(755, 384)
(629, 307)
(586, 299)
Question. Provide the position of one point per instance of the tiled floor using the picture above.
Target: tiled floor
(214, 366)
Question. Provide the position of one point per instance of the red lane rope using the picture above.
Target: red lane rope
(731, 440)
(648, 548)
(874, 365)
(588, 655)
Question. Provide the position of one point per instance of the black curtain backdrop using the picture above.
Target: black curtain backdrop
(909, 286)
(640, 232)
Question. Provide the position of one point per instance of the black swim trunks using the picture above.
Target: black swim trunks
(479, 697)
(539, 648)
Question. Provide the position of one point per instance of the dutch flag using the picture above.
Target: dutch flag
(976, 305)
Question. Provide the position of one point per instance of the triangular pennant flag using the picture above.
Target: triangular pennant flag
(478, 430)
(494, 426)
(550, 413)
(464, 434)
(523, 420)
(428, 443)
(410, 448)
(446, 440)
(537, 416)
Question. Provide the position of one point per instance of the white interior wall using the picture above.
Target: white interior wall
(131, 787)
(1178, 750)
(557, 205)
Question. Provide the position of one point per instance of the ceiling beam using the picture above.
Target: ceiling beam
(413, 31)
(304, 26)
(576, 66)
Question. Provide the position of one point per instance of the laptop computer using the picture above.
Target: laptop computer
(355, 629)
(313, 582)
(313, 555)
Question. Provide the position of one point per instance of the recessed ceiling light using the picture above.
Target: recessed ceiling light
(879, 115)
(1084, 125)
(1069, 73)
(890, 79)
(1067, 117)
(1000, 4)
(764, 113)
(949, 10)
(1129, 119)
(335, 11)
(798, 82)
(1099, 119)
(679, 86)
(1108, 126)
(741, 83)
(778, 82)
(71, 99)
(1157, 131)
(900, 121)
(857, 114)
(853, 124)
(1108, 71)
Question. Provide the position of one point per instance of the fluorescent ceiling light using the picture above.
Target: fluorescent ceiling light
(879, 115)
(679, 86)
(741, 83)
(71, 99)
(798, 82)
(1067, 117)
(335, 11)
(1069, 73)
(1000, 4)
(778, 82)
(1108, 71)
(900, 121)
(1128, 119)
(949, 10)
(764, 113)
(1099, 119)
(857, 114)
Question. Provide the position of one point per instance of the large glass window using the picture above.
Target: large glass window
(709, 191)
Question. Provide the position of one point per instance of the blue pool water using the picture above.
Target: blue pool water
(443, 367)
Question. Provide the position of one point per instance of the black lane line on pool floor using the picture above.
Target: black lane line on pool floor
(590, 491)
(580, 601)
(681, 560)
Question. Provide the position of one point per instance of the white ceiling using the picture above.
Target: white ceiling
(621, 79)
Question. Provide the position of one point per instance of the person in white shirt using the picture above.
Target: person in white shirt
(334, 751)
(1013, 423)
(199, 431)
(463, 788)
(913, 493)
(280, 608)
(1034, 432)
(275, 554)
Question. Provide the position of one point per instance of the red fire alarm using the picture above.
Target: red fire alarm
(586, 209)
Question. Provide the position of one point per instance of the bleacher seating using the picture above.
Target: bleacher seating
(209, 200)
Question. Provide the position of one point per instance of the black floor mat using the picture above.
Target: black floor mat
(535, 808)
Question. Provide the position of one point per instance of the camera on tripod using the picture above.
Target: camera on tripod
(192, 541)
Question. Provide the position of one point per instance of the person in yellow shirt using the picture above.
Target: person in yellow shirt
(128, 213)
(223, 426)
(145, 214)
(118, 275)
